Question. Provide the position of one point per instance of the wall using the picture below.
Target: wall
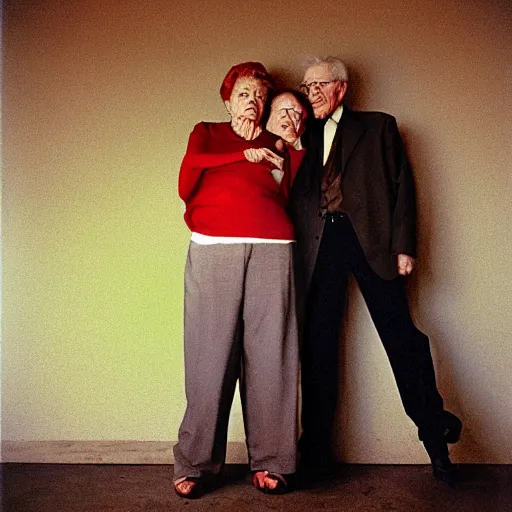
(1, 169)
(98, 102)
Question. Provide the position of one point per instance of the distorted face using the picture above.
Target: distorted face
(287, 118)
(247, 100)
(325, 93)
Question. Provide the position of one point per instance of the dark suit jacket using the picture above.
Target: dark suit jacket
(377, 187)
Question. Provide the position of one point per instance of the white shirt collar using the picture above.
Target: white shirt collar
(336, 115)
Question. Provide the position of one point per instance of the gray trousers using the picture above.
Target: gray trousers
(240, 322)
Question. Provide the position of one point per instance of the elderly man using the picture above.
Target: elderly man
(288, 115)
(353, 206)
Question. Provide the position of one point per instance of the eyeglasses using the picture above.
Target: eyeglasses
(291, 112)
(306, 88)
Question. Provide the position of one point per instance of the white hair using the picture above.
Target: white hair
(336, 65)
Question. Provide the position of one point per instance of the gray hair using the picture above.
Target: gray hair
(338, 68)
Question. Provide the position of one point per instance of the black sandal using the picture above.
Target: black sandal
(196, 492)
(282, 486)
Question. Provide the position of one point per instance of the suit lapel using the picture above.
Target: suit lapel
(352, 131)
(318, 141)
(349, 132)
(310, 172)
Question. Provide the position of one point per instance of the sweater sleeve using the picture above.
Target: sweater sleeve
(296, 156)
(197, 160)
(292, 162)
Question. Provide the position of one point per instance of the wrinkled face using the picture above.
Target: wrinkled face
(287, 117)
(324, 92)
(247, 99)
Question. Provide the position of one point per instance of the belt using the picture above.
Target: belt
(333, 216)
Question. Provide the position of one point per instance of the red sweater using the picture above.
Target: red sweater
(225, 194)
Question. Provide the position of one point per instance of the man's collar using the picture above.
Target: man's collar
(336, 115)
(297, 145)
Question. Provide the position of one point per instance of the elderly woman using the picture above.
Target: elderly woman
(238, 272)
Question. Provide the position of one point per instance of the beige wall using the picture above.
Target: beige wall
(98, 101)
(1, 168)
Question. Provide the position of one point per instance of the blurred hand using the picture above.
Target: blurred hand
(280, 145)
(406, 264)
(258, 154)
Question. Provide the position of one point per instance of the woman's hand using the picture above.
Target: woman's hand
(245, 128)
(258, 154)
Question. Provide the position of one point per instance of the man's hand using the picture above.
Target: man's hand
(406, 264)
(258, 154)
(280, 144)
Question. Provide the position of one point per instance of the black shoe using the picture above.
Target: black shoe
(311, 473)
(442, 466)
(444, 470)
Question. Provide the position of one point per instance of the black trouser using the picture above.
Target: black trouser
(407, 348)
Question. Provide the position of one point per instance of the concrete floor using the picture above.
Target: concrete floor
(357, 488)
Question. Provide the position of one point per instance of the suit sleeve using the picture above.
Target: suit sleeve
(197, 159)
(403, 240)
